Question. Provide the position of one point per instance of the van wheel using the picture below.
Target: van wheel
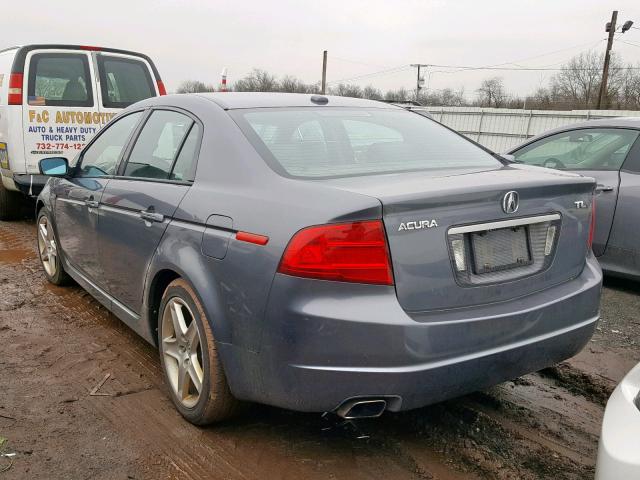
(10, 203)
(49, 251)
(189, 359)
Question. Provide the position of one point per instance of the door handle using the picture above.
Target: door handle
(91, 203)
(148, 216)
(604, 188)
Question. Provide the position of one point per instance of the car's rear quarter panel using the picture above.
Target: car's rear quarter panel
(233, 181)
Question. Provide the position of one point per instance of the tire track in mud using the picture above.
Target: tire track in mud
(542, 425)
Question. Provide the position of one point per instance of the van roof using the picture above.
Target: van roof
(23, 50)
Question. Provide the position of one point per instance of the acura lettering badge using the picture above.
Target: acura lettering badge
(510, 202)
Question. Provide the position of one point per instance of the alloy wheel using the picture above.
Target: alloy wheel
(47, 246)
(182, 351)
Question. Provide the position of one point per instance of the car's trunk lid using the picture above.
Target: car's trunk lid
(424, 212)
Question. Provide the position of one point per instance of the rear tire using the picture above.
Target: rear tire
(10, 203)
(190, 360)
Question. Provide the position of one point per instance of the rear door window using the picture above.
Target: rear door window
(60, 79)
(124, 81)
(158, 145)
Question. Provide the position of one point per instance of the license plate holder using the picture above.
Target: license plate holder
(500, 249)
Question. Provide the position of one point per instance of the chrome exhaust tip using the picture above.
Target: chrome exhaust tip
(361, 408)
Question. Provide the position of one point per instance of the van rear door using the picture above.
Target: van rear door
(61, 112)
(123, 80)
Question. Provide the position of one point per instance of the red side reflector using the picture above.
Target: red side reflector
(592, 225)
(161, 89)
(89, 47)
(346, 252)
(15, 89)
(252, 238)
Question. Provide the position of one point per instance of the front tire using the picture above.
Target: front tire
(49, 251)
(192, 368)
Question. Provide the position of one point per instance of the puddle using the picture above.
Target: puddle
(14, 256)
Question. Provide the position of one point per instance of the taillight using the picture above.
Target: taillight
(161, 89)
(15, 89)
(346, 252)
(592, 225)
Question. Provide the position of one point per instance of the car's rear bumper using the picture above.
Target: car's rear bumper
(618, 453)
(324, 343)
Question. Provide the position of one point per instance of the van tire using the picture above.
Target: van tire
(10, 203)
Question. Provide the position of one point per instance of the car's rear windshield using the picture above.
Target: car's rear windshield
(327, 142)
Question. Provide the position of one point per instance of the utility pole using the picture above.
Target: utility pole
(323, 90)
(419, 79)
(607, 56)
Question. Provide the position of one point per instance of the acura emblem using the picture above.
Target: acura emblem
(510, 202)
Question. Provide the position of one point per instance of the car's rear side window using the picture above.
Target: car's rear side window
(184, 168)
(158, 145)
(323, 142)
(124, 81)
(60, 79)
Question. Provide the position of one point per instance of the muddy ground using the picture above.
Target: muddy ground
(57, 344)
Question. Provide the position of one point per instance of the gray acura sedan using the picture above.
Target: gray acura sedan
(321, 253)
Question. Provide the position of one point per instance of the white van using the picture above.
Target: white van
(53, 100)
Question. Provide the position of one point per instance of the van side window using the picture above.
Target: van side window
(59, 79)
(101, 157)
(157, 145)
(124, 81)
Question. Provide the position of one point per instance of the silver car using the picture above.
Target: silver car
(609, 151)
(618, 452)
(321, 253)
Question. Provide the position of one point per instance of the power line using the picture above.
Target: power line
(547, 54)
(360, 63)
(628, 43)
(526, 69)
(389, 71)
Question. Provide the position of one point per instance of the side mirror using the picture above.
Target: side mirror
(54, 166)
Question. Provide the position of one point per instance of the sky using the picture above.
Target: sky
(193, 39)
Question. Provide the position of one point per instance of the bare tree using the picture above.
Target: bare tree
(578, 81)
(630, 90)
(447, 97)
(294, 85)
(257, 81)
(194, 86)
(371, 93)
(491, 92)
(400, 95)
(346, 90)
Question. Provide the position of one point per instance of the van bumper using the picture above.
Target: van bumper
(324, 343)
(30, 184)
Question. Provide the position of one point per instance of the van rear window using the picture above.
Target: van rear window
(59, 79)
(124, 81)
